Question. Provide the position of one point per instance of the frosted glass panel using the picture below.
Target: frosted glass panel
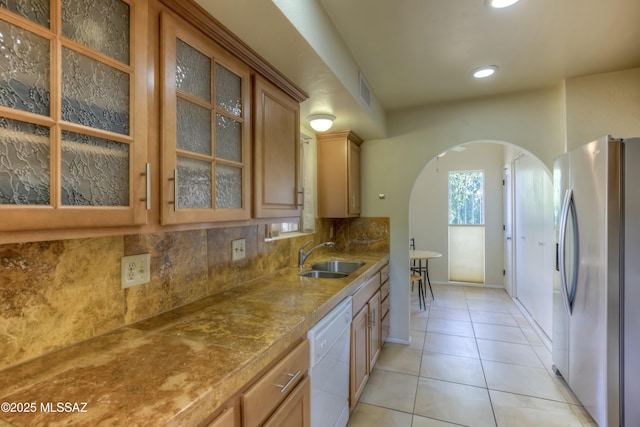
(194, 127)
(102, 25)
(228, 90)
(194, 183)
(228, 138)
(24, 70)
(95, 171)
(228, 187)
(24, 163)
(34, 10)
(193, 71)
(94, 94)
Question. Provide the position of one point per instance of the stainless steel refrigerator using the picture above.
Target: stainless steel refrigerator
(596, 313)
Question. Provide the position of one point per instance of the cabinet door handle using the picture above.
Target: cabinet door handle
(292, 379)
(147, 175)
(175, 190)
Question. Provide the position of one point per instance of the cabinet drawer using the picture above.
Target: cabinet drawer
(384, 272)
(365, 292)
(384, 290)
(274, 386)
(384, 306)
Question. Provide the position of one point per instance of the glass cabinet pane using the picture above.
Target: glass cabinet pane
(193, 71)
(193, 127)
(228, 90)
(95, 171)
(228, 187)
(102, 25)
(228, 138)
(193, 184)
(24, 163)
(34, 10)
(24, 70)
(94, 94)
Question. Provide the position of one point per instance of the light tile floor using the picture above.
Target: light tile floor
(474, 360)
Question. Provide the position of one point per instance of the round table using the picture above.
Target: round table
(420, 255)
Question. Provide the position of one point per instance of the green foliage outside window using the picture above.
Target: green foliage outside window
(466, 198)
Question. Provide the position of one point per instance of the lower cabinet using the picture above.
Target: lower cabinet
(367, 332)
(295, 411)
(281, 396)
(230, 417)
(359, 355)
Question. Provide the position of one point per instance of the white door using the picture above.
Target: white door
(508, 229)
(534, 245)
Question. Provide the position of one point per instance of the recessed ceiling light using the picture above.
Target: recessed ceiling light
(486, 71)
(501, 3)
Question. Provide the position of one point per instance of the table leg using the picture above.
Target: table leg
(426, 277)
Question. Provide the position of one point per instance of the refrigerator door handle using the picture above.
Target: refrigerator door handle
(568, 293)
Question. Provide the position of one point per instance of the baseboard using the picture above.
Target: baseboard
(467, 285)
(398, 341)
(534, 325)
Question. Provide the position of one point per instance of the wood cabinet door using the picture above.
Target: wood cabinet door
(206, 158)
(229, 418)
(359, 372)
(353, 185)
(375, 332)
(338, 175)
(295, 411)
(73, 115)
(276, 152)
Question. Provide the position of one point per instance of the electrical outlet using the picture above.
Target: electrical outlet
(237, 250)
(135, 270)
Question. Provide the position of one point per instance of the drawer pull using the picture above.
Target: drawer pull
(292, 379)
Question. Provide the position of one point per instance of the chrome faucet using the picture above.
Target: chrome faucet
(302, 256)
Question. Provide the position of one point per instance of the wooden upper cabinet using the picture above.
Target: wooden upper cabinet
(276, 152)
(206, 125)
(338, 175)
(73, 115)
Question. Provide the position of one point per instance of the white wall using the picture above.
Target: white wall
(603, 104)
(540, 122)
(428, 208)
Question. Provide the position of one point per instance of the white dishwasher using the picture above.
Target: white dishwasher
(330, 346)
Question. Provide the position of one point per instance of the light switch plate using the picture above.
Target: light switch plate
(237, 249)
(135, 270)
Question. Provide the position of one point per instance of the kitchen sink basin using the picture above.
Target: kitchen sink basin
(323, 274)
(347, 267)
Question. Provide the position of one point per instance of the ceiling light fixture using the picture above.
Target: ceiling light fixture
(498, 4)
(321, 122)
(485, 71)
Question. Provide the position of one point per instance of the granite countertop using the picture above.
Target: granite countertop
(178, 367)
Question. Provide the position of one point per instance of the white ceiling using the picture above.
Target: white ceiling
(417, 52)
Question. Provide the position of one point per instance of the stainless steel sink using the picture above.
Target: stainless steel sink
(323, 274)
(347, 267)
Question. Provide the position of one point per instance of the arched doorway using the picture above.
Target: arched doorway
(518, 225)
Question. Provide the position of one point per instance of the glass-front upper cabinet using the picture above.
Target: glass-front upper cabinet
(205, 128)
(73, 138)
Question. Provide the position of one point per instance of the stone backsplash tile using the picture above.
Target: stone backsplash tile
(178, 272)
(363, 234)
(54, 294)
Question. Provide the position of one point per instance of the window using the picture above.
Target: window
(466, 226)
(466, 198)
